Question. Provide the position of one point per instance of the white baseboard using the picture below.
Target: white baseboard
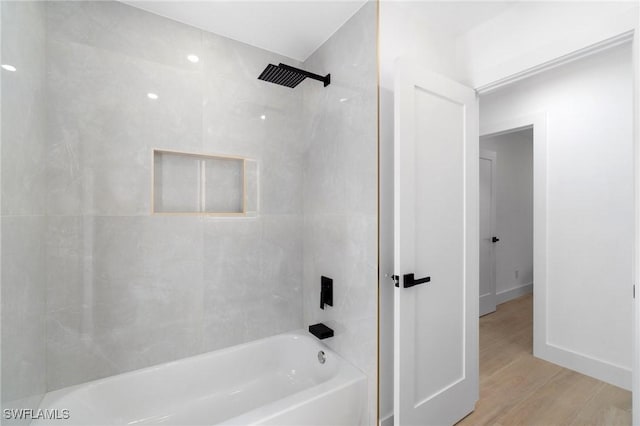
(487, 304)
(512, 293)
(593, 367)
(387, 420)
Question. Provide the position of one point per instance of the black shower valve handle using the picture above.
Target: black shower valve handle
(326, 292)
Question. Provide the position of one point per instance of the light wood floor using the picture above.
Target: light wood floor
(518, 389)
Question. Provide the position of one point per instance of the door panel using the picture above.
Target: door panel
(487, 232)
(436, 235)
(439, 250)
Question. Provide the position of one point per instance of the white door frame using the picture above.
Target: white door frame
(489, 304)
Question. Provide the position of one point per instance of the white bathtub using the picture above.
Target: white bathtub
(273, 381)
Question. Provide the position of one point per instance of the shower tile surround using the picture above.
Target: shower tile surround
(126, 289)
(340, 193)
(23, 211)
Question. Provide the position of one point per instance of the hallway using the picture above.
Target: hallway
(518, 389)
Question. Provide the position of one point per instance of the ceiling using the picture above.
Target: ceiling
(291, 28)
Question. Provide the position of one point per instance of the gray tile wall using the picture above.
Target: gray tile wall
(23, 190)
(127, 289)
(121, 289)
(340, 187)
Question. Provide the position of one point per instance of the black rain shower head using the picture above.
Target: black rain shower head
(288, 76)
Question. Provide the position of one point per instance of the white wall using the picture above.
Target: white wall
(514, 211)
(538, 32)
(402, 33)
(489, 41)
(588, 105)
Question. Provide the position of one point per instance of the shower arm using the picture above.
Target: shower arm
(326, 79)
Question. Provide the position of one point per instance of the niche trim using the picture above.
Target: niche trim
(198, 187)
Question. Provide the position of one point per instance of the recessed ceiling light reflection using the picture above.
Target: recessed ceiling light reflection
(344, 99)
(193, 58)
(9, 67)
(263, 117)
(153, 96)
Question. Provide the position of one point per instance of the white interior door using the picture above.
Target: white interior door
(436, 236)
(488, 238)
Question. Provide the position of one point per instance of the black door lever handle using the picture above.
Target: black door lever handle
(410, 281)
(495, 239)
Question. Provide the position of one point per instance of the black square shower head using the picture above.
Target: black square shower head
(288, 76)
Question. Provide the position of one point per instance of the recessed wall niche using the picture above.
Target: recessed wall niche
(189, 183)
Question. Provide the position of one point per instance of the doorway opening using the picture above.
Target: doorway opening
(505, 248)
(506, 259)
(506, 217)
